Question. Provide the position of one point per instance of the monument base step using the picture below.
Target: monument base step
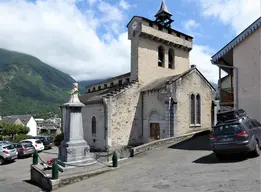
(82, 164)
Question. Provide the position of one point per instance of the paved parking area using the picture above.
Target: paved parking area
(187, 167)
(13, 176)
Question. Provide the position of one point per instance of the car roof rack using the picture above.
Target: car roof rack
(231, 116)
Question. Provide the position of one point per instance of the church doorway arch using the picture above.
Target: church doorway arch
(154, 124)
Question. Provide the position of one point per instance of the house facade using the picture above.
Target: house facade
(162, 96)
(241, 60)
(28, 121)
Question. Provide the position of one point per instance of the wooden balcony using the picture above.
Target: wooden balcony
(227, 97)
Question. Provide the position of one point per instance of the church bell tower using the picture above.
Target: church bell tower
(163, 16)
(157, 50)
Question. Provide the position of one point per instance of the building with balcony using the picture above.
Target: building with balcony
(241, 60)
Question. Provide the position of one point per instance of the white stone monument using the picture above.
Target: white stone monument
(74, 150)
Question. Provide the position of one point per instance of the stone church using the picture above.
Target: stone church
(162, 96)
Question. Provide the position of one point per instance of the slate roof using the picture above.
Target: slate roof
(238, 39)
(9, 120)
(161, 83)
(163, 8)
(24, 118)
(96, 96)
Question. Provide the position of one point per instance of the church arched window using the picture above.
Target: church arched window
(198, 109)
(93, 126)
(171, 58)
(161, 56)
(192, 109)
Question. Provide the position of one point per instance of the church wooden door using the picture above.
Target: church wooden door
(154, 131)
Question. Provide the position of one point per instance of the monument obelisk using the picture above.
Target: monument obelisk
(74, 150)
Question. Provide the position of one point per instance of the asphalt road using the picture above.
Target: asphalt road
(14, 176)
(187, 167)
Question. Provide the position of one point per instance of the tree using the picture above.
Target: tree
(12, 129)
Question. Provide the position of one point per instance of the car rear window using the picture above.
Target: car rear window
(38, 142)
(227, 129)
(27, 144)
(9, 147)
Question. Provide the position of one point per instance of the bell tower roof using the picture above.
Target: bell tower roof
(163, 9)
(163, 16)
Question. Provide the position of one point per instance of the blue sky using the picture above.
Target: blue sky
(88, 38)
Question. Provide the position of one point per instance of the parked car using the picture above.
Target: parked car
(24, 149)
(46, 140)
(235, 132)
(3, 142)
(38, 145)
(8, 152)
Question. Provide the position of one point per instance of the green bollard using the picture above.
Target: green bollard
(35, 158)
(115, 159)
(55, 170)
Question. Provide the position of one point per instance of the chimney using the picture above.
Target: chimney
(193, 66)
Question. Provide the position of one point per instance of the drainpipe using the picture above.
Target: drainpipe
(236, 73)
(142, 111)
(105, 123)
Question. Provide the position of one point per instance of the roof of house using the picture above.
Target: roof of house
(9, 120)
(95, 96)
(238, 39)
(110, 79)
(24, 118)
(161, 83)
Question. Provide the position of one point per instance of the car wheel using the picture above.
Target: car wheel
(256, 151)
(219, 156)
(1, 160)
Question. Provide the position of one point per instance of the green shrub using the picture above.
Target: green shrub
(58, 139)
(20, 137)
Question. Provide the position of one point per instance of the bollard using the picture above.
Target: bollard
(35, 157)
(55, 170)
(114, 159)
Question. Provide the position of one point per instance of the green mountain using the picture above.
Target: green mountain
(29, 86)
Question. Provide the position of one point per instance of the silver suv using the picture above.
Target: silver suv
(8, 152)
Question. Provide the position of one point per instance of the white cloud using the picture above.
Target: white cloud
(200, 56)
(124, 5)
(237, 13)
(92, 2)
(191, 24)
(59, 34)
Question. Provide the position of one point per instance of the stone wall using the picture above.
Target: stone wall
(148, 69)
(94, 110)
(181, 91)
(124, 115)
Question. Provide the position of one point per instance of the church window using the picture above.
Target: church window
(89, 90)
(198, 108)
(171, 59)
(120, 82)
(105, 86)
(99, 87)
(93, 126)
(93, 88)
(111, 84)
(192, 109)
(161, 56)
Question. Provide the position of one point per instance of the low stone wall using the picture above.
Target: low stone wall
(41, 179)
(172, 140)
